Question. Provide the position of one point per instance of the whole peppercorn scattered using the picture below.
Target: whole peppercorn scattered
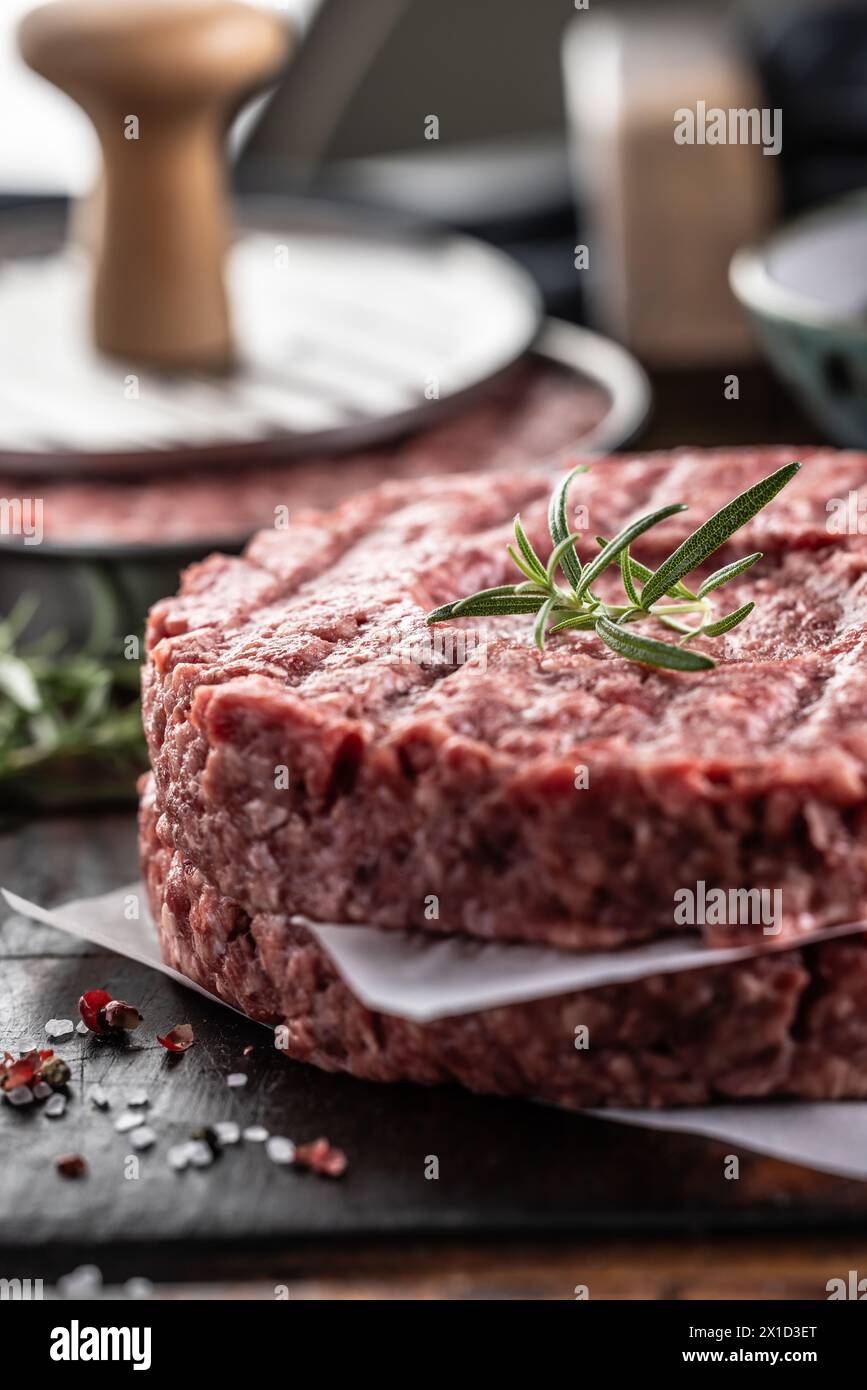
(209, 1136)
(178, 1039)
(55, 1072)
(119, 1016)
(101, 1014)
(71, 1165)
(19, 1073)
(90, 1006)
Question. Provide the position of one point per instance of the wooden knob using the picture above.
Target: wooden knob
(159, 79)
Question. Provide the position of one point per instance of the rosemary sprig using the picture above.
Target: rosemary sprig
(576, 607)
(70, 721)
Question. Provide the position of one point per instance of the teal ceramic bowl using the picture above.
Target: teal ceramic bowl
(805, 290)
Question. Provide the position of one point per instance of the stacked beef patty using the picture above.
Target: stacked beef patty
(317, 750)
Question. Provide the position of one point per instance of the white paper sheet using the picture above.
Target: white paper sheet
(103, 921)
(424, 978)
(413, 976)
(828, 1136)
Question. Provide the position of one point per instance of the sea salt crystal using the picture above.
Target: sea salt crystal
(227, 1132)
(236, 1078)
(27, 1046)
(138, 1288)
(138, 1098)
(255, 1134)
(83, 1282)
(97, 1097)
(82, 1028)
(143, 1138)
(19, 1095)
(179, 1157)
(42, 1090)
(127, 1121)
(59, 1029)
(201, 1154)
(280, 1150)
(56, 1106)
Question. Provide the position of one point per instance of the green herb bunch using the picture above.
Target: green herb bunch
(70, 722)
(659, 594)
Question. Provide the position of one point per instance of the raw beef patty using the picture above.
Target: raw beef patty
(793, 1023)
(317, 749)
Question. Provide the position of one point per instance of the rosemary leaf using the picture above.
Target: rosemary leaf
(558, 556)
(503, 607)
(533, 576)
(541, 623)
(558, 523)
(450, 610)
(441, 614)
(728, 572)
(582, 621)
(498, 591)
(17, 620)
(729, 621)
(531, 558)
(17, 683)
(715, 532)
(626, 576)
(478, 606)
(648, 650)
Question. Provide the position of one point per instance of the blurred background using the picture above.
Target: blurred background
(555, 127)
(545, 131)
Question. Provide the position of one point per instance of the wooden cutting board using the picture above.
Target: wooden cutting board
(505, 1167)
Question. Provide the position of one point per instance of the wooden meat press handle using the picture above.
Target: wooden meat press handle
(160, 80)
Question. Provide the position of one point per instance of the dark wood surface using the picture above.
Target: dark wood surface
(507, 1169)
